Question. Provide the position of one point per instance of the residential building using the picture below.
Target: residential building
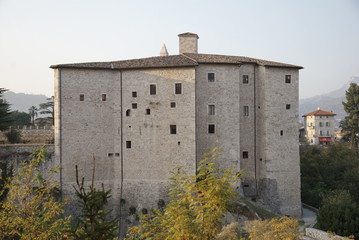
(141, 118)
(319, 127)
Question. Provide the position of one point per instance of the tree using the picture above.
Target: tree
(93, 223)
(351, 122)
(48, 109)
(196, 207)
(20, 118)
(33, 113)
(30, 210)
(339, 214)
(5, 113)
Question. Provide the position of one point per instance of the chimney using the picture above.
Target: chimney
(188, 43)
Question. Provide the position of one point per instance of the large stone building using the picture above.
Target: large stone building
(319, 127)
(141, 118)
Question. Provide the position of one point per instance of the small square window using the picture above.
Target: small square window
(246, 110)
(82, 97)
(134, 105)
(245, 79)
(178, 88)
(152, 89)
(110, 154)
(117, 154)
(134, 94)
(210, 77)
(128, 144)
(173, 129)
(288, 78)
(173, 104)
(103, 97)
(148, 111)
(287, 106)
(211, 109)
(245, 154)
(211, 128)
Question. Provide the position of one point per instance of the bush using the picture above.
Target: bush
(13, 136)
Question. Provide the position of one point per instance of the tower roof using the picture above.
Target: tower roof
(319, 113)
(164, 51)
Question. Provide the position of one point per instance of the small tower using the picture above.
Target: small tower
(164, 52)
(188, 43)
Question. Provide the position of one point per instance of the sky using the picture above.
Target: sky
(320, 35)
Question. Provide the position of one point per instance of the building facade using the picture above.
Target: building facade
(141, 118)
(319, 127)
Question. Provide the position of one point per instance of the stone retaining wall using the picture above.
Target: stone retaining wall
(33, 135)
(321, 235)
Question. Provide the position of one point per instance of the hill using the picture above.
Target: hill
(22, 101)
(329, 102)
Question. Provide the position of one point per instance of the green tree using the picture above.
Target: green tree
(13, 135)
(48, 109)
(5, 113)
(94, 222)
(339, 213)
(20, 118)
(30, 210)
(196, 207)
(351, 121)
(33, 113)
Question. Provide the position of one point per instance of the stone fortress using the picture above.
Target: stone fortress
(141, 118)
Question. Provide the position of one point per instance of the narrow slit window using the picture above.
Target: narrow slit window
(246, 110)
(211, 128)
(82, 97)
(134, 94)
(288, 78)
(152, 89)
(128, 144)
(211, 109)
(134, 105)
(173, 104)
(281, 132)
(245, 79)
(148, 111)
(287, 106)
(178, 88)
(173, 129)
(103, 97)
(210, 77)
(245, 154)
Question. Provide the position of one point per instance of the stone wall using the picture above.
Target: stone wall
(321, 235)
(32, 135)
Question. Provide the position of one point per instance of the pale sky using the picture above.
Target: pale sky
(320, 35)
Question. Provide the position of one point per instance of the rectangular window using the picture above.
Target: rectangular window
(321, 133)
(152, 89)
(110, 154)
(178, 88)
(128, 144)
(246, 110)
(287, 106)
(173, 104)
(328, 133)
(281, 132)
(245, 79)
(134, 94)
(148, 111)
(210, 77)
(320, 124)
(211, 128)
(134, 105)
(173, 129)
(82, 97)
(288, 78)
(103, 97)
(211, 109)
(244, 154)
(327, 124)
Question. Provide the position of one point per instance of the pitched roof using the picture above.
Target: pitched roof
(183, 60)
(319, 113)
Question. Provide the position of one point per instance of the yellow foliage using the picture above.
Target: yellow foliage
(283, 228)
